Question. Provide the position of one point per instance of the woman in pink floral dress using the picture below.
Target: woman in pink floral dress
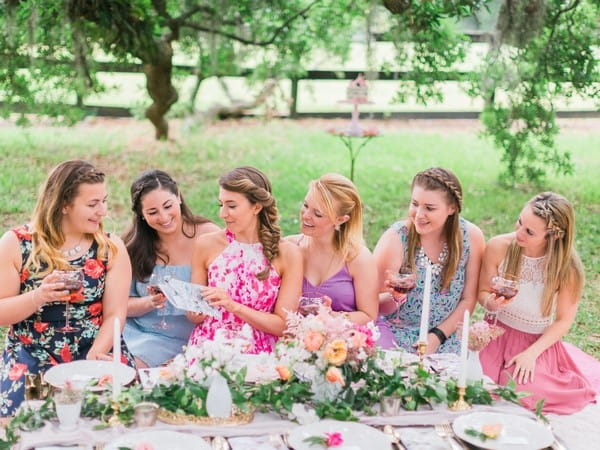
(252, 276)
(65, 233)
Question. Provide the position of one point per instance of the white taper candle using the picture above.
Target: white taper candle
(424, 329)
(464, 349)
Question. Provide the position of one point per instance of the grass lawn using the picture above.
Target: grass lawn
(292, 153)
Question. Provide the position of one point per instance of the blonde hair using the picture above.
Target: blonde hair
(438, 179)
(59, 189)
(257, 188)
(562, 261)
(339, 197)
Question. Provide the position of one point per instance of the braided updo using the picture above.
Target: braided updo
(257, 189)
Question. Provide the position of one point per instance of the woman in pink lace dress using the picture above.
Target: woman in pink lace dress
(252, 276)
(540, 252)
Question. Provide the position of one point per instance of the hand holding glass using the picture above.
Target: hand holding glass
(73, 280)
(310, 304)
(401, 284)
(154, 289)
(506, 286)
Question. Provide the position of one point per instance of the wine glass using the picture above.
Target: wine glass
(506, 286)
(310, 303)
(403, 281)
(73, 280)
(154, 289)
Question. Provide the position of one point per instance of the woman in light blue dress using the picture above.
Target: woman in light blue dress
(433, 234)
(159, 241)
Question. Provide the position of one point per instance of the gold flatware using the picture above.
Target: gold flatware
(394, 436)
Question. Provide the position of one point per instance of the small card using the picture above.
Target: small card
(187, 296)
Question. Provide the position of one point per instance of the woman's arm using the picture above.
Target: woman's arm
(289, 266)
(206, 248)
(388, 256)
(566, 310)
(114, 300)
(364, 274)
(495, 252)
(469, 294)
(15, 307)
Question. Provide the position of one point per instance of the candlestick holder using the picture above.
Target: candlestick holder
(114, 420)
(421, 348)
(460, 404)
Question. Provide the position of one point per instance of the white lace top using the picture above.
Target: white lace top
(524, 313)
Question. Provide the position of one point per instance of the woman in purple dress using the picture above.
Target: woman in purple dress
(337, 263)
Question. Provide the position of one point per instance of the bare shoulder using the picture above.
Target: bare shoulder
(289, 251)
(364, 260)
(498, 245)
(207, 227)
(9, 248)
(210, 239)
(293, 238)
(475, 234)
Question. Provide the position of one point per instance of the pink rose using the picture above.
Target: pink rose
(313, 341)
(334, 439)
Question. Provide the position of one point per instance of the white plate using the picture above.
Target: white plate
(159, 440)
(518, 432)
(84, 370)
(356, 436)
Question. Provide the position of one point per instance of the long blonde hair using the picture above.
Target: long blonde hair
(562, 261)
(339, 197)
(438, 179)
(59, 190)
(257, 188)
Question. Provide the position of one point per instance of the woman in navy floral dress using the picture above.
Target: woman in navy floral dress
(65, 233)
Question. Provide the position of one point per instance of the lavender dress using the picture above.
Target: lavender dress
(340, 288)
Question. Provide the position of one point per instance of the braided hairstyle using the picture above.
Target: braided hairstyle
(562, 260)
(438, 179)
(142, 241)
(257, 188)
(59, 189)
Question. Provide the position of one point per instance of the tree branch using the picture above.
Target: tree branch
(248, 41)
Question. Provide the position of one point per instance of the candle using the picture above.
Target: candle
(424, 330)
(116, 386)
(464, 348)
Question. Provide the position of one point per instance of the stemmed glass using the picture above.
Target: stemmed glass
(310, 303)
(402, 283)
(154, 289)
(73, 280)
(506, 286)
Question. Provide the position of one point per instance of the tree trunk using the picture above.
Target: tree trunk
(160, 88)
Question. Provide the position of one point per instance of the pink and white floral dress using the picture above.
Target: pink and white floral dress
(235, 271)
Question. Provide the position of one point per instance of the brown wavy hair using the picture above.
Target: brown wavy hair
(257, 189)
(438, 179)
(59, 189)
(141, 239)
(562, 261)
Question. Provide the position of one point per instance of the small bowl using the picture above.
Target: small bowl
(145, 414)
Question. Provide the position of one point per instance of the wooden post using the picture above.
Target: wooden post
(294, 95)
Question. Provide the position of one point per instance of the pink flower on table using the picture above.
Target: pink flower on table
(334, 439)
(313, 341)
(334, 375)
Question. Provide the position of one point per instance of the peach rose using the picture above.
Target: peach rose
(334, 375)
(336, 352)
(284, 372)
(313, 341)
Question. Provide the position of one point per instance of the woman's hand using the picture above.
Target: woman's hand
(494, 303)
(157, 300)
(99, 356)
(432, 344)
(51, 289)
(524, 364)
(220, 297)
(195, 317)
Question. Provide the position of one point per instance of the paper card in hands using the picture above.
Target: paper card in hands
(187, 296)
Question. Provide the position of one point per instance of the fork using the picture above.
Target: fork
(444, 430)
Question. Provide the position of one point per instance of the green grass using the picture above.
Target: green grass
(292, 153)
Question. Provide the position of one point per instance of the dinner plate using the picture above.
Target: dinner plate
(87, 370)
(518, 432)
(356, 436)
(158, 440)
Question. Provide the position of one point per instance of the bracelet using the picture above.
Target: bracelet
(439, 334)
(35, 305)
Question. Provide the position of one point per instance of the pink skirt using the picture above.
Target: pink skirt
(557, 379)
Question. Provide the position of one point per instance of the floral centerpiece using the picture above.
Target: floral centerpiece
(481, 333)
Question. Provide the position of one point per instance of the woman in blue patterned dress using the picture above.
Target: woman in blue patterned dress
(160, 241)
(434, 233)
(65, 233)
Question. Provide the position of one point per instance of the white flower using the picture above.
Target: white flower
(302, 414)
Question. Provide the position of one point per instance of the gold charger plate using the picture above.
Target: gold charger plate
(238, 418)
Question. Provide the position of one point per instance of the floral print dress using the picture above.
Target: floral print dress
(35, 344)
(234, 270)
(405, 322)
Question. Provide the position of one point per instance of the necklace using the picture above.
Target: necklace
(436, 268)
(73, 250)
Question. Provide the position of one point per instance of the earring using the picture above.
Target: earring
(337, 227)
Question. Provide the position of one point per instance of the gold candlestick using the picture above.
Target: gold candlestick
(114, 420)
(421, 348)
(460, 404)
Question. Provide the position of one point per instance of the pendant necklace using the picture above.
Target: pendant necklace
(73, 250)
